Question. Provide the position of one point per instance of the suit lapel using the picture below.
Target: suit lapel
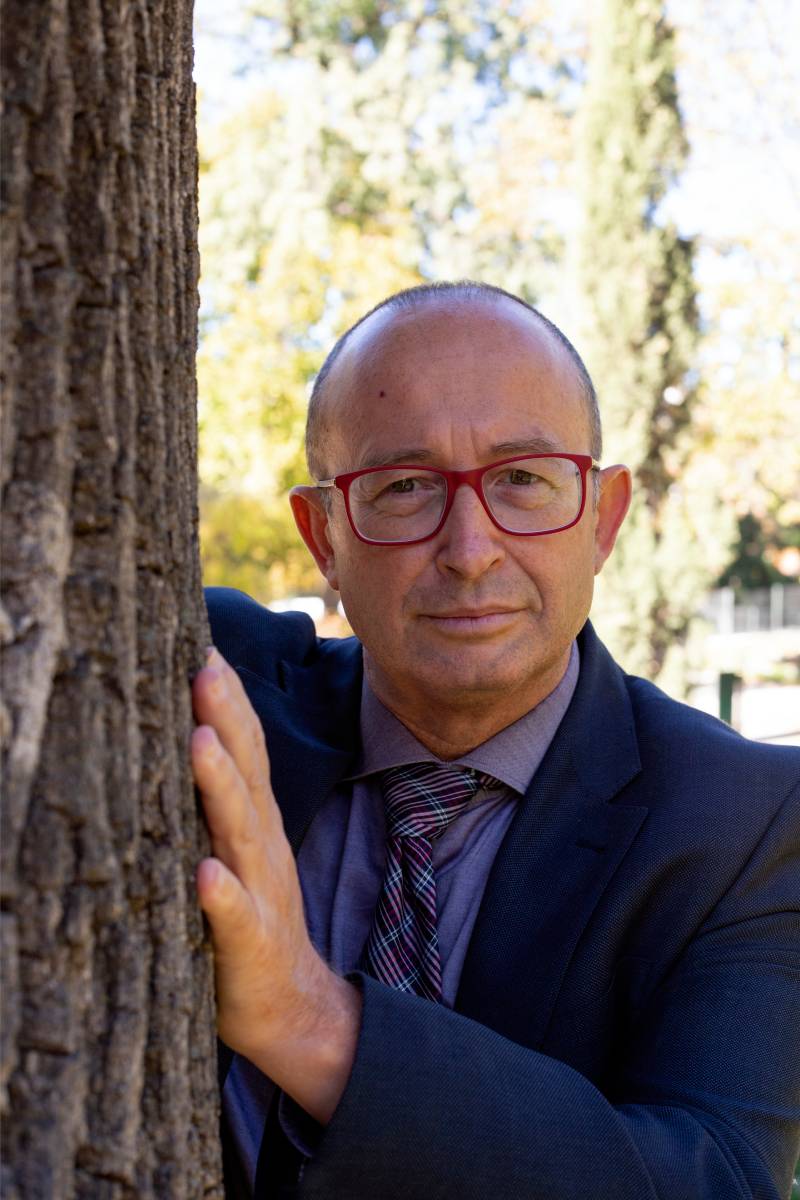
(560, 853)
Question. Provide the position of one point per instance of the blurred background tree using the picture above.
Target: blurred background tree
(377, 143)
(636, 281)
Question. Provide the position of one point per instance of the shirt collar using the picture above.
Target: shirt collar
(512, 755)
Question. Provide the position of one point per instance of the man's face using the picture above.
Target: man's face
(474, 616)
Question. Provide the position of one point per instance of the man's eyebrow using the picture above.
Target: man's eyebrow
(527, 445)
(411, 456)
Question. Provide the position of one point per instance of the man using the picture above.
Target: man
(584, 980)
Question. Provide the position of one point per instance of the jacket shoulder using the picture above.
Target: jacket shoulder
(251, 636)
(680, 743)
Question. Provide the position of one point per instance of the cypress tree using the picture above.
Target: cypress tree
(642, 332)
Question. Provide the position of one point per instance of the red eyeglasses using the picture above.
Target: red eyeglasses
(528, 495)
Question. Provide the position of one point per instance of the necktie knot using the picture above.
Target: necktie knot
(422, 799)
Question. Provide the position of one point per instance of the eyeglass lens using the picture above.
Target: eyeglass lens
(536, 495)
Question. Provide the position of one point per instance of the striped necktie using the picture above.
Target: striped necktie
(421, 800)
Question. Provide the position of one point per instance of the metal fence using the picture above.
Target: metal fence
(756, 611)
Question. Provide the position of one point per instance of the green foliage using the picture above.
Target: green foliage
(250, 545)
(642, 333)
(760, 548)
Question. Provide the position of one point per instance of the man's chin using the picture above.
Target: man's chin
(472, 674)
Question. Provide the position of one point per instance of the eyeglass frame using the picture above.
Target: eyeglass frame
(473, 478)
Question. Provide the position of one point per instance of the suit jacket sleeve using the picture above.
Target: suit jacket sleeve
(705, 1105)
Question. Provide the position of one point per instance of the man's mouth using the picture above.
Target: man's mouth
(457, 614)
(482, 620)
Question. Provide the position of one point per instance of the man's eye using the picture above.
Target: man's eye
(519, 476)
(403, 485)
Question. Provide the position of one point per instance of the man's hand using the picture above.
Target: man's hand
(278, 1003)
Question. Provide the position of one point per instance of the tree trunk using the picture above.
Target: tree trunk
(108, 1080)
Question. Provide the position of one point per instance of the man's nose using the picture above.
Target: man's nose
(469, 544)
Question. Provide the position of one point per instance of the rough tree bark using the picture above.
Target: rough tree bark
(108, 1085)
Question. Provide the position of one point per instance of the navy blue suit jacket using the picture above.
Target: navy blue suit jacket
(627, 1022)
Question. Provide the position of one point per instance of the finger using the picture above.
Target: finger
(238, 836)
(220, 701)
(243, 967)
(227, 906)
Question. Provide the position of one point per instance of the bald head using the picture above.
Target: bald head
(322, 408)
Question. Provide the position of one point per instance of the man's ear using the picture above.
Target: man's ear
(312, 517)
(612, 505)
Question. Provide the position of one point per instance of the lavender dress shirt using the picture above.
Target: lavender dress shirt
(341, 866)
